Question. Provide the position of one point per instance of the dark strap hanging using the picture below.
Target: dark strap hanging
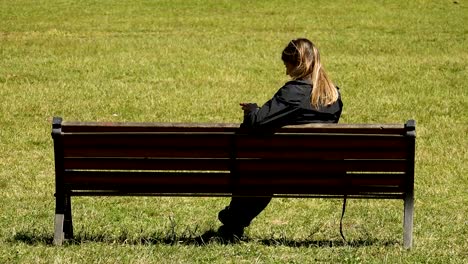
(341, 220)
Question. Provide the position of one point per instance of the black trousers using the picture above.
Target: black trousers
(242, 210)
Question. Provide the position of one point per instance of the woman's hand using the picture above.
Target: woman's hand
(248, 107)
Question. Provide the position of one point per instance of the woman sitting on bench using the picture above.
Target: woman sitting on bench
(310, 97)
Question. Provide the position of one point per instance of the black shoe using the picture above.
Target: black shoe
(206, 237)
(230, 234)
(224, 215)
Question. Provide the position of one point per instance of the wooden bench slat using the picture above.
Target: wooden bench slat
(321, 154)
(243, 165)
(323, 190)
(93, 178)
(146, 164)
(331, 178)
(184, 178)
(156, 190)
(134, 127)
(212, 152)
(122, 140)
(228, 127)
(345, 129)
(134, 152)
(224, 190)
(322, 166)
(242, 141)
(304, 182)
(351, 181)
(320, 141)
(219, 186)
(220, 145)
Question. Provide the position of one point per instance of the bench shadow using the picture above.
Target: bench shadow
(206, 239)
(32, 238)
(328, 243)
(209, 237)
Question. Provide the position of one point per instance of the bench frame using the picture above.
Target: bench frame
(68, 184)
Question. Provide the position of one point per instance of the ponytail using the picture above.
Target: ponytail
(324, 92)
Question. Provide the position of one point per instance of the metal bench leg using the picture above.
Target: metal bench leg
(63, 219)
(59, 234)
(408, 221)
(68, 223)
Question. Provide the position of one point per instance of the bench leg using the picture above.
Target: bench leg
(58, 233)
(68, 223)
(63, 226)
(408, 221)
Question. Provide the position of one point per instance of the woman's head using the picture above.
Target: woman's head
(302, 61)
(298, 56)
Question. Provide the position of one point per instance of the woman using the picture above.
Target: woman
(310, 97)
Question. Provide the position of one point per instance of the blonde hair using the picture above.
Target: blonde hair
(305, 58)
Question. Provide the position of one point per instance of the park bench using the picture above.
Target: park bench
(374, 161)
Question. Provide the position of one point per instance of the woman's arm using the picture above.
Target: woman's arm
(277, 112)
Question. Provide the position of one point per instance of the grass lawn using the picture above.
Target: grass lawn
(194, 61)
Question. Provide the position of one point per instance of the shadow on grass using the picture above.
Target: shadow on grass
(327, 243)
(209, 237)
(32, 238)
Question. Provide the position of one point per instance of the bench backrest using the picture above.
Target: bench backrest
(221, 159)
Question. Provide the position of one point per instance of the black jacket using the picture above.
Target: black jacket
(291, 106)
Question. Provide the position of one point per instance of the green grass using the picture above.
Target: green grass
(194, 61)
